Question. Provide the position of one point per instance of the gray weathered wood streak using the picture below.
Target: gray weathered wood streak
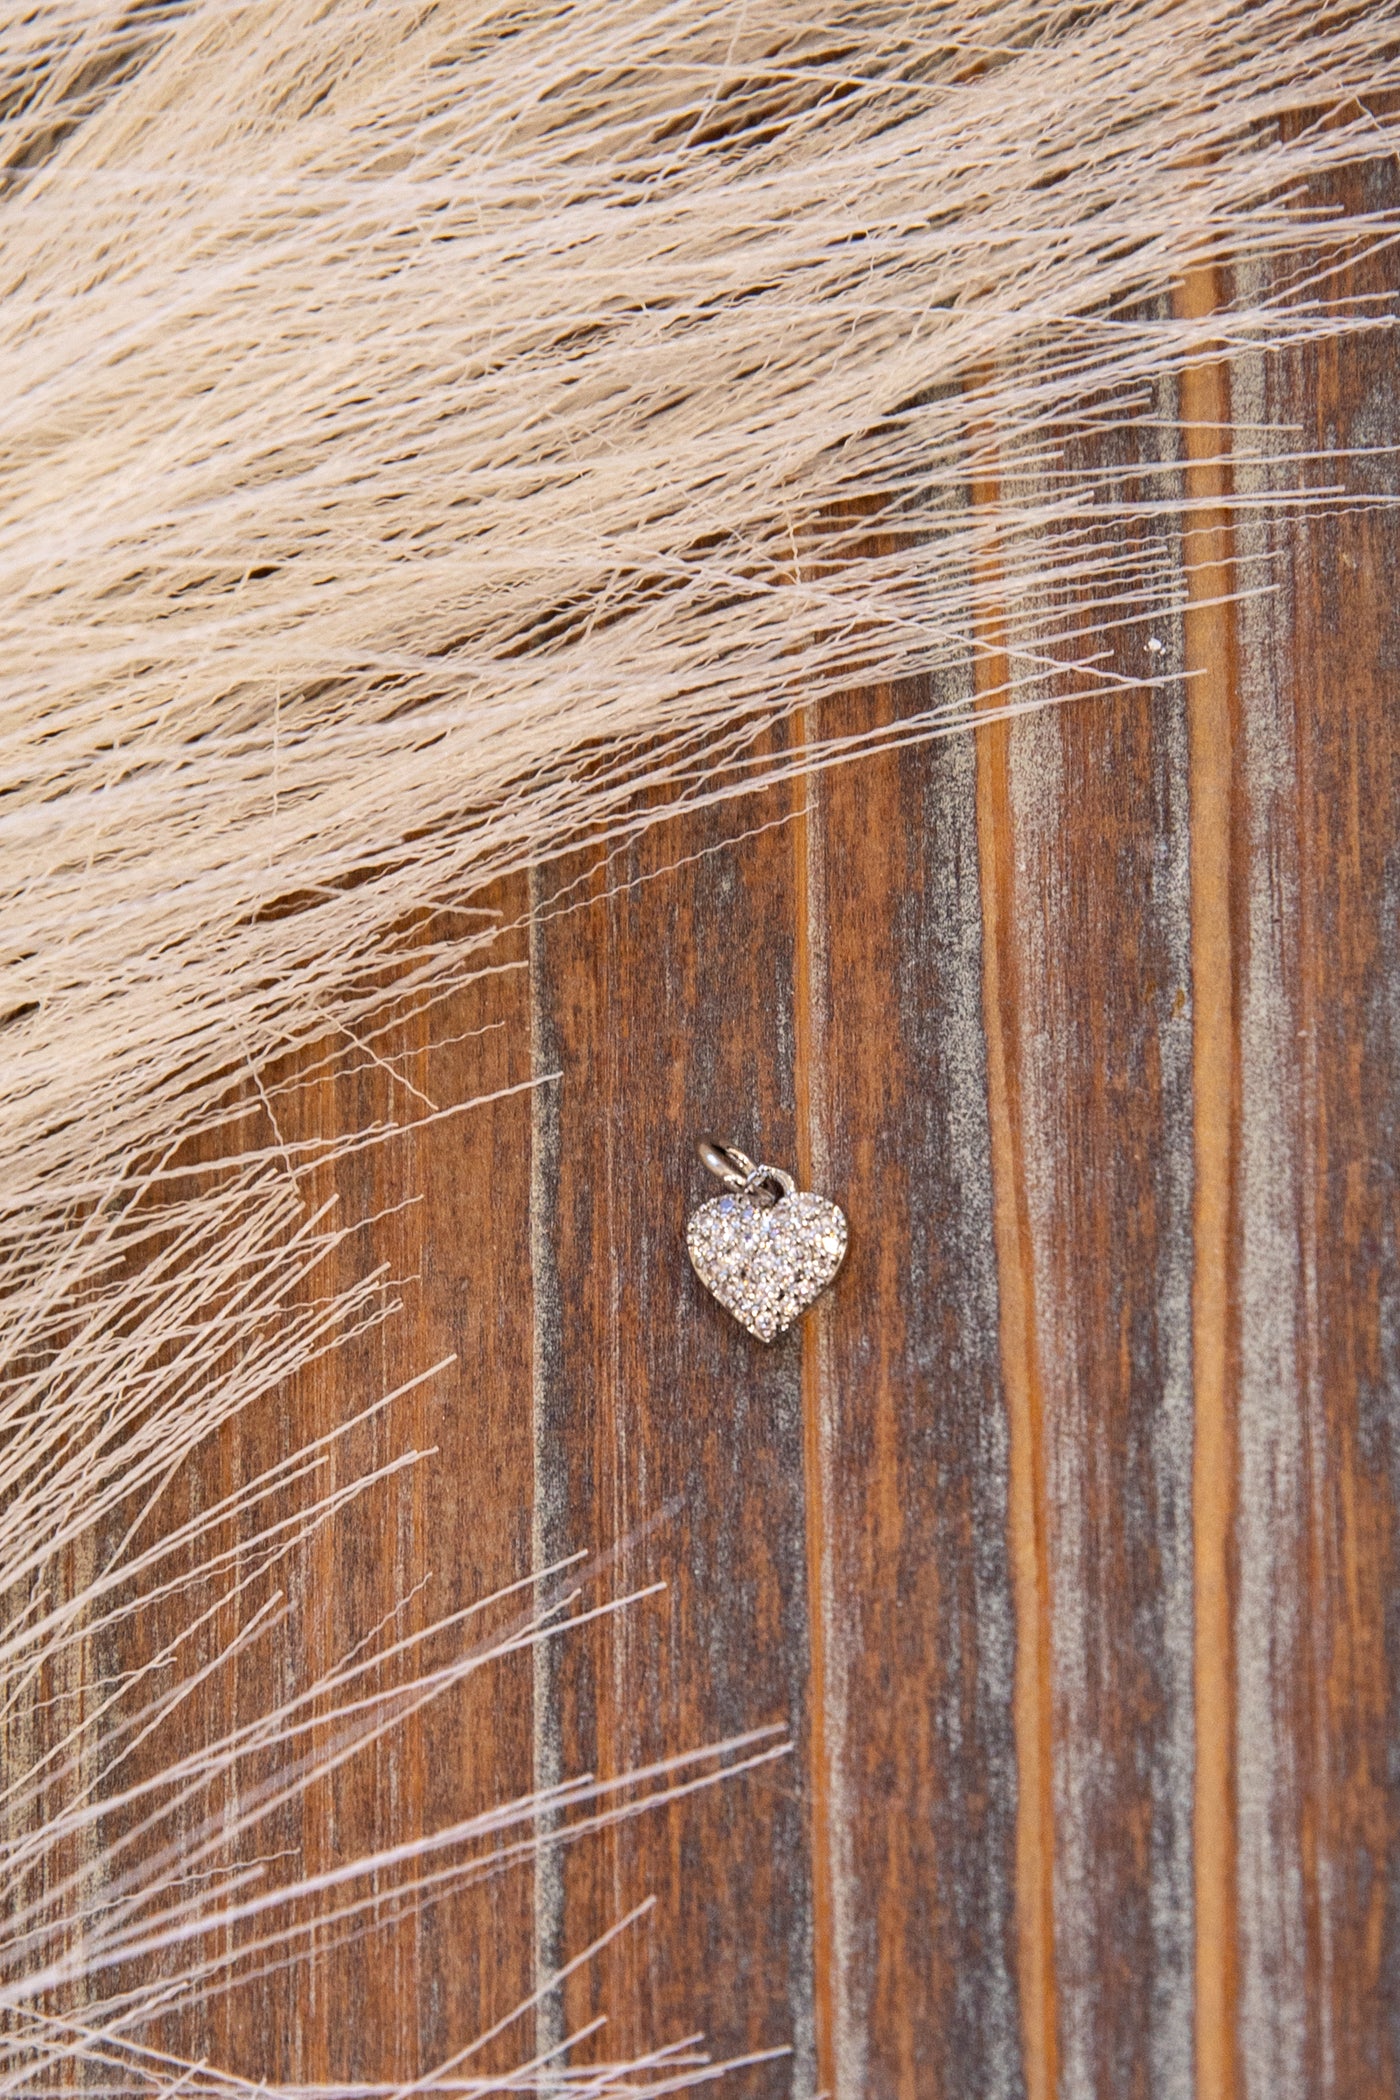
(1270, 1605)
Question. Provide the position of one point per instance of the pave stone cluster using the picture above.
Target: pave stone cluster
(766, 1262)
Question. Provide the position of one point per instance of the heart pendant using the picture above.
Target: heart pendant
(765, 1261)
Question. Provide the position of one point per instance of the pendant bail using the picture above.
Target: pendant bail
(737, 1171)
(727, 1162)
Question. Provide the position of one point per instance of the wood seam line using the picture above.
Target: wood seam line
(1212, 706)
(808, 1031)
(1020, 1363)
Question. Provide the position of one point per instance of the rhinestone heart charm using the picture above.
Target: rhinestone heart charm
(764, 1260)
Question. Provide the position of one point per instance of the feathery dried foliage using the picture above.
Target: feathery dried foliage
(428, 430)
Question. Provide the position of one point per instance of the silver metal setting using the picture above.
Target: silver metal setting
(765, 1249)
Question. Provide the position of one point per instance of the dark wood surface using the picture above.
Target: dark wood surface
(1061, 1545)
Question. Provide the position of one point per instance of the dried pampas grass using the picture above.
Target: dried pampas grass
(429, 432)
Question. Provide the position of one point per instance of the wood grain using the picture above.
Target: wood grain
(1062, 1540)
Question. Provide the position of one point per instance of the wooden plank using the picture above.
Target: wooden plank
(1348, 646)
(1091, 830)
(1316, 1251)
(670, 1440)
(468, 1241)
(917, 1601)
(460, 1242)
(446, 1206)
